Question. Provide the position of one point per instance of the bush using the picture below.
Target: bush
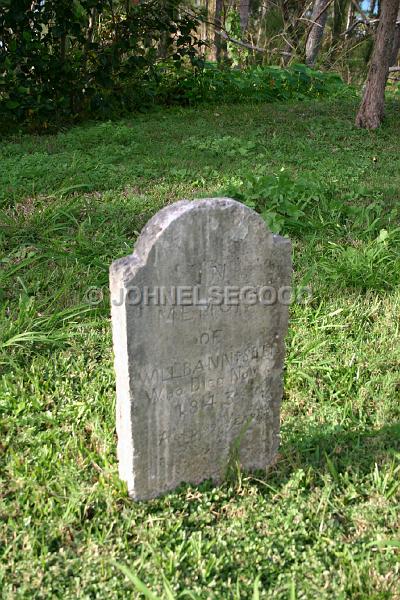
(254, 84)
(54, 65)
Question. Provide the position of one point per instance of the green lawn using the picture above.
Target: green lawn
(325, 521)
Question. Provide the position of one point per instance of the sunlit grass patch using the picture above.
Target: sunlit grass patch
(323, 523)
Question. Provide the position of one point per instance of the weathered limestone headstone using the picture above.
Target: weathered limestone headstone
(199, 314)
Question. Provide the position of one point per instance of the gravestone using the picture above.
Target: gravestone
(199, 315)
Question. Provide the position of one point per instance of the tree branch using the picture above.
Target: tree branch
(360, 10)
(224, 35)
(366, 22)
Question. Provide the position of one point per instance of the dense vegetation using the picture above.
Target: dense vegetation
(324, 523)
(62, 61)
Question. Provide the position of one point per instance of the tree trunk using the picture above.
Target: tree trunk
(219, 6)
(260, 23)
(339, 15)
(244, 14)
(166, 11)
(396, 43)
(293, 34)
(372, 107)
(203, 26)
(319, 17)
(91, 30)
(350, 18)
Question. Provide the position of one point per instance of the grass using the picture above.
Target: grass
(324, 523)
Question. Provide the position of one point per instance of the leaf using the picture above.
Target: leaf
(273, 220)
(331, 467)
(168, 589)
(383, 235)
(139, 585)
(384, 544)
(11, 104)
(256, 589)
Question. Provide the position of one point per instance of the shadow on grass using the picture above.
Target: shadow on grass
(359, 450)
(324, 453)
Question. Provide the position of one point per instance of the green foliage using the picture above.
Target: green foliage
(296, 204)
(278, 198)
(56, 66)
(356, 265)
(218, 145)
(254, 84)
(237, 54)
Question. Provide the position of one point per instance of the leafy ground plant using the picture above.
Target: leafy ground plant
(278, 198)
(324, 522)
(212, 84)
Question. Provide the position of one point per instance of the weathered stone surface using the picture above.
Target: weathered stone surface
(194, 376)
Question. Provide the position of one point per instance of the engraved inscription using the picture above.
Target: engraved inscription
(198, 371)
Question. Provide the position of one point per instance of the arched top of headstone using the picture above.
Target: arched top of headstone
(224, 216)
